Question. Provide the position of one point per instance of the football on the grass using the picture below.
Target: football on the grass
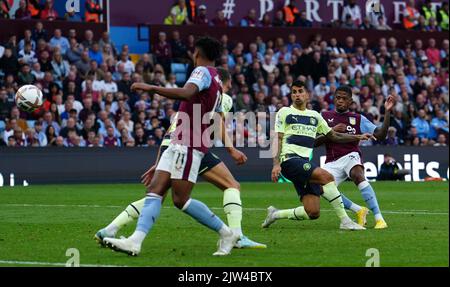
(29, 98)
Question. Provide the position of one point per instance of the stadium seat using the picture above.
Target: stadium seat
(179, 70)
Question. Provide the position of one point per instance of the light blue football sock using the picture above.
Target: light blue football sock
(200, 212)
(350, 205)
(370, 198)
(150, 212)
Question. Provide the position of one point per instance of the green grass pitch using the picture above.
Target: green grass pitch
(39, 223)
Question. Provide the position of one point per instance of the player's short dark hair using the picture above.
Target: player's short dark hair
(346, 89)
(210, 47)
(224, 75)
(299, 84)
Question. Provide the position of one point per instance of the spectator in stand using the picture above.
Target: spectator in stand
(410, 16)
(433, 54)
(290, 11)
(35, 8)
(93, 11)
(439, 125)
(427, 11)
(111, 140)
(25, 77)
(202, 17)
(322, 89)
(349, 23)
(22, 13)
(60, 69)
(366, 24)
(381, 25)
(266, 21)
(60, 41)
(220, 20)
(442, 16)
(302, 21)
(128, 65)
(27, 55)
(178, 14)
(163, 51)
(49, 13)
(72, 16)
(421, 124)
(278, 20)
(178, 48)
(4, 11)
(95, 53)
(441, 141)
(106, 40)
(140, 138)
(250, 20)
(27, 39)
(39, 32)
(392, 138)
(354, 11)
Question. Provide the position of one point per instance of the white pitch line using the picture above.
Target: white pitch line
(52, 263)
(403, 212)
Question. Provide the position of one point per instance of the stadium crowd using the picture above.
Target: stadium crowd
(45, 10)
(423, 17)
(86, 83)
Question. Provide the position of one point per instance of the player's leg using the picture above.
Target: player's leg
(332, 194)
(150, 212)
(221, 177)
(130, 213)
(367, 192)
(293, 169)
(310, 210)
(340, 175)
(152, 206)
(184, 175)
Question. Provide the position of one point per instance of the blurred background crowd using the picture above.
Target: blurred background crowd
(86, 78)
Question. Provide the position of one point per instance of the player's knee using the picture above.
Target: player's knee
(234, 184)
(358, 178)
(179, 201)
(327, 177)
(313, 213)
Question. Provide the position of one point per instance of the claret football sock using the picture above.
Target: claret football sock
(332, 194)
(200, 212)
(232, 207)
(130, 213)
(298, 213)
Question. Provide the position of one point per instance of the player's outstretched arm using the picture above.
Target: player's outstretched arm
(381, 132)
(184, 94)
(346, 138)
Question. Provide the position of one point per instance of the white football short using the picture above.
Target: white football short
(340, 169)
(181, 162)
